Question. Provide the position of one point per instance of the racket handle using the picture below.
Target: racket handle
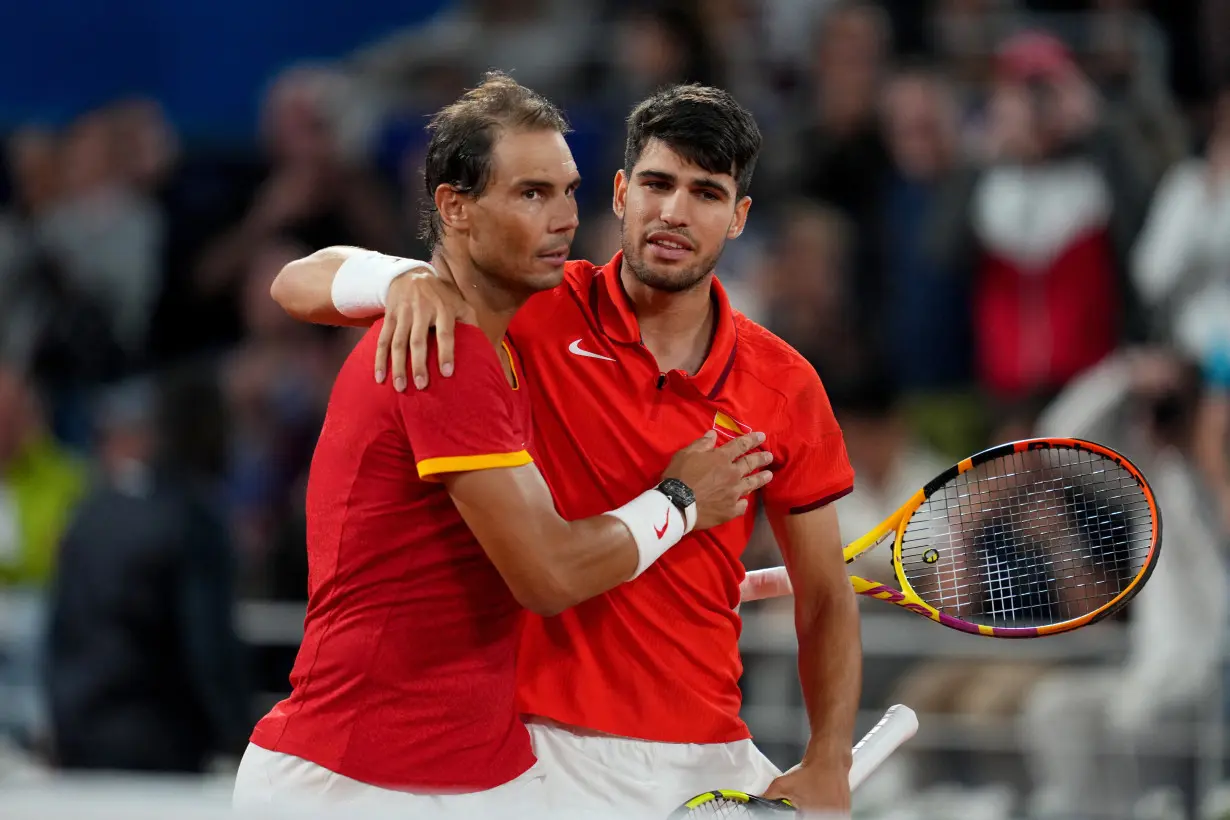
(765, 583)
(898, 725)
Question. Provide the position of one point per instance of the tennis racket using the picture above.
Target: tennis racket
(896, 727)
(1026, 539)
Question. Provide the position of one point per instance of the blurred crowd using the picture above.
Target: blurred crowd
(979, 219)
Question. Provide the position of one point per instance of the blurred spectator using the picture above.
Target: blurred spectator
(841, 153)
(1049, 219)
(103, 232)
(144, 667)
(789, 28)
(32, 158)
(652, 45)
(1142, 403)
(531, 39)
(660, 44)
(39, 485)
(1125, 54)
(312, 192)
(805, 287)
(1181, 263)
(42, 296)
(150, 147)
(964, 34)
(925, 309)
(890, 463)
(277, 382)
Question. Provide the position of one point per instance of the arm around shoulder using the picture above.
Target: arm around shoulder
(339, 285)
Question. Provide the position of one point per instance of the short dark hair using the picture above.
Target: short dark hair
(702, 124)
(464, 133)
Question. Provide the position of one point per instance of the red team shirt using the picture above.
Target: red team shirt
(406, 674)
(657, 658)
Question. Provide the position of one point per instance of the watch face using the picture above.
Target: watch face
(679, 492)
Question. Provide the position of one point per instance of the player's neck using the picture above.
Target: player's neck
(493, 305)
(677, 328)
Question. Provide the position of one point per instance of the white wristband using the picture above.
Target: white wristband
(656, 525)
(361, 284)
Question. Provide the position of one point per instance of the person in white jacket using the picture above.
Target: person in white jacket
(1180, 263)
(1141, 403)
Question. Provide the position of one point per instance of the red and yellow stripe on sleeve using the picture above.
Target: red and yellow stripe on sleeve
(431, 468)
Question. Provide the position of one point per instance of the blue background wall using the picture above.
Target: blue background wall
(207, 61)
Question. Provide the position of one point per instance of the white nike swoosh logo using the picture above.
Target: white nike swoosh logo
(575, 347)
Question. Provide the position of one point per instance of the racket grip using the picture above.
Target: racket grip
(765, 583)
(898, 725)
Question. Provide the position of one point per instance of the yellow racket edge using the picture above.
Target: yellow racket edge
(775, 582)
(756, 804)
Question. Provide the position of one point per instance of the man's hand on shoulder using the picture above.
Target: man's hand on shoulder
(417, 302)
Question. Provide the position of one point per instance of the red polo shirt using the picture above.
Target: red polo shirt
(657, 658)
(406, 676)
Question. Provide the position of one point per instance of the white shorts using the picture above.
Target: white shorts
(283, 783)
(600, 776)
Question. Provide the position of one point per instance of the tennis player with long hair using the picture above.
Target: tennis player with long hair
(429, 525)
(633, 697)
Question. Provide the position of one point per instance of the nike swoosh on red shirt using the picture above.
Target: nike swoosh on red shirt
(665, 524)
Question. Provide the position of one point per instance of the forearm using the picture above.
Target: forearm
(579, 560)
(830, 670)
(551, 564)
(304, 288)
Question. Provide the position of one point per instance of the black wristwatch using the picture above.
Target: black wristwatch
(680, 494)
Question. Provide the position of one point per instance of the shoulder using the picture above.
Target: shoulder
(478, 366)
(766, 357)
(478, 376)
(469, 343)
(781, 383)
(469, 340)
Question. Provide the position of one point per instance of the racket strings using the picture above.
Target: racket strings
(1035, 580)
(1030, 538)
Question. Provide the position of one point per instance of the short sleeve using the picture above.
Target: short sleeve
(810, 465)
(467, 421)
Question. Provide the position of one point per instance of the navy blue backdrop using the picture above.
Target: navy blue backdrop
(207, 61)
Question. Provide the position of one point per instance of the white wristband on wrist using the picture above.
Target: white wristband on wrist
(656, 525)
(361, 284)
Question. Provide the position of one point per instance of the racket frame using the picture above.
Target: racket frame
(780, 805)
(776, 582)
